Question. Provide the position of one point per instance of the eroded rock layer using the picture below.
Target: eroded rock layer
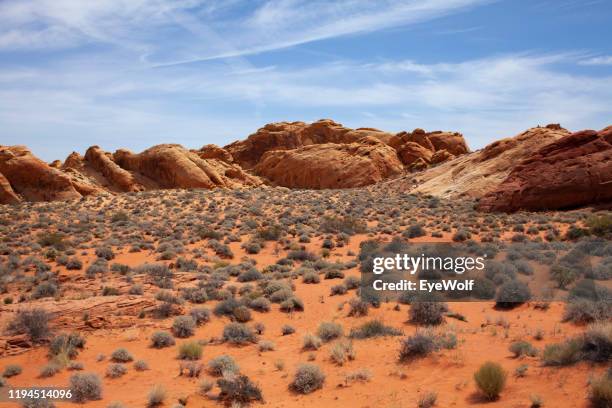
(331, 165)
(573, 171)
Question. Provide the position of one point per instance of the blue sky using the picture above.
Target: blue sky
(133, 73)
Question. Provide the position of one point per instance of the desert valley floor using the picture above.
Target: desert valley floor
(268, 276)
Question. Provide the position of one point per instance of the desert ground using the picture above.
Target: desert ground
(129, 300)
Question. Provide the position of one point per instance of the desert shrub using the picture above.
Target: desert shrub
(67, 345)
(417, 346)
(11, 370)
(600, 225)
(45, 289)
(600, 393)
(562, 354)
(238, 333)
(461, 235)
(587, 311)
(311, 342)
(250, 275)
(222, 365)
(226, 307)
(37, 403)
(34, 323)
(190, 369)
(490, 379)
(427, 400)
(287, 330)
(242, 314)
(352, 282)
(159, 274)
(205, 386)
(141, 365)
(358, 307)
(338, 290)
(293, 304)
(522, 348)
(200, 315)
(105, 253)
(311, 277)
(329, 330)
(136, 289)
(301, 255)
(260, 304)
(85, 387)
(428, 313)
(512, 294)
(190, 350)
(161, 339)
(415, 231)
(121, 355)
(239, 390)
(156, 396)
(116, 370)
(183, 326)
(342, 351)
(484, 289)
(373, 328)
(265, 345)
(347, 225)
(597, 343)
(308, 378)
(75, 366)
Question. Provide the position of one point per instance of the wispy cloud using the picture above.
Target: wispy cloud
(602, 60)
(171, 32)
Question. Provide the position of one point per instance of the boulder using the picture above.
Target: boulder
(212, 151)
(293, 135)
(33, 179)
(410, 152)
(571, 172)
(441, 156)
(331, 165)
(452, 142)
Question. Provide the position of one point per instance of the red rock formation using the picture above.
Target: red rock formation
(173, 166)
(292, 135)
(212, 151)
(410, 152)
(331, 165)
(475, 174)
(117, 176)
(7, 195)
(33, 179)
(452, 142)
(573, 171)
(427, 148)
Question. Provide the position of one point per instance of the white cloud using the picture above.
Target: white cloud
(603, 60)
(204, 29)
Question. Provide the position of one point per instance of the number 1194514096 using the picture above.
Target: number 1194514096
(34, 393)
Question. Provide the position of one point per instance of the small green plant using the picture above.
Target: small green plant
(490, 379)
(190, 350)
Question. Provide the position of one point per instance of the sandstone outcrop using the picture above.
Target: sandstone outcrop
(573, 171)
(477, 173)
(173, 166)
(418, 149)
(331, 165)
(7, 195)
(118, 177)
(32, 179)
(293, 135)
(212, 151)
